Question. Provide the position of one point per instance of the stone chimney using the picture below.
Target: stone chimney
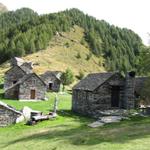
(129, 97)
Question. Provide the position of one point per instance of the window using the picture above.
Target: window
(33, 82)
(14, 82)
(50, 86)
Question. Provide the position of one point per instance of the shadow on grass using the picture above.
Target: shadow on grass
(125, 131)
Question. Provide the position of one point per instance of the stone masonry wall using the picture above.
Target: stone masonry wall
(55, 82)
(13, 75)
(7, 116)
(33, 83)
(12, 93)
(89, 103)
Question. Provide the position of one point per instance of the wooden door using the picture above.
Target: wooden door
(115, 96)
(16, 94)
(32, 96)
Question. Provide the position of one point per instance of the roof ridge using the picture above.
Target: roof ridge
(10, 107)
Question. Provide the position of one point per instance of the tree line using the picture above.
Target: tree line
(24, 32)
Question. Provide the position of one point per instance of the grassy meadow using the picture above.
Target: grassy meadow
(70, 131)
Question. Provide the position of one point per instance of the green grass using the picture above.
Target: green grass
(70, 132)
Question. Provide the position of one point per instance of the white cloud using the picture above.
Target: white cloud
(133, 14)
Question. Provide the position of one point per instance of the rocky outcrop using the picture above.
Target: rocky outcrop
(3, 8)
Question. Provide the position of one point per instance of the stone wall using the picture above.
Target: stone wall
(7, 116)
(52, 79)
(27, 67)
(12, 93)
(12, 76)
(129, 91)
(32, 83)
(90, 103)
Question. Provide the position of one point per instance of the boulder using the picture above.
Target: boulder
(111, 119)
(28, 112)
(96, 124)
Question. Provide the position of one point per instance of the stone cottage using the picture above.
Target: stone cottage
(31, 86)
(22, 83)
(104, 91)
(52, 80)
(8, 114)
(18, 69)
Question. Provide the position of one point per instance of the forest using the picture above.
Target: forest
(24, 32)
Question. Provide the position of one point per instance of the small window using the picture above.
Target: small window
(33, 81)
(14, 82)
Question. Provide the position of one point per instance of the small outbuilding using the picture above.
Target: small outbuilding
(22, 83)
(104, 91)
(52, 80)
(8, 115)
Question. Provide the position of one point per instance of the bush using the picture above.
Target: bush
(88, 56)
(80, 76)
(67, 78)
(67, 45)
(78, 55)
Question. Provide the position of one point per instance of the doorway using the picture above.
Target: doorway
(50, 86)
(32, 95)
(16, 94)
(115, 96)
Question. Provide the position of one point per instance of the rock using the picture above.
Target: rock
(113, 112)
(96, 124)
(110, 119)
(20, 119)
(27, 112)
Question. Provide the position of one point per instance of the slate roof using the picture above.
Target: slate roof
(9, 107)
(92, 81)
(13, 67)
(57, 74)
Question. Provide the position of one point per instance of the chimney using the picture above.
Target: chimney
(129, 98)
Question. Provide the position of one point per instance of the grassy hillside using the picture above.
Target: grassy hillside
(62, 52)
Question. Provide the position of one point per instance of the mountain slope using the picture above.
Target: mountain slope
(3, 8)
(62, 53)
(24, 32)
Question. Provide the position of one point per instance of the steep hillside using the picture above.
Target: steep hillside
(3, 8)
(24, 32)
(65, 50)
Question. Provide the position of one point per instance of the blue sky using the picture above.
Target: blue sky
(132, 14)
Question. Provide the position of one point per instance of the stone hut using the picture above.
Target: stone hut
(52, 80)
(104, 91)
(8, 115)
(13, 75)
(30, 87)
(22, 83)
(17, 71)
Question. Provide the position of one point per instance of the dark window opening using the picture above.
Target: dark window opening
(115, 96)
(136, 94)
(50, 86)
(14, 82)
